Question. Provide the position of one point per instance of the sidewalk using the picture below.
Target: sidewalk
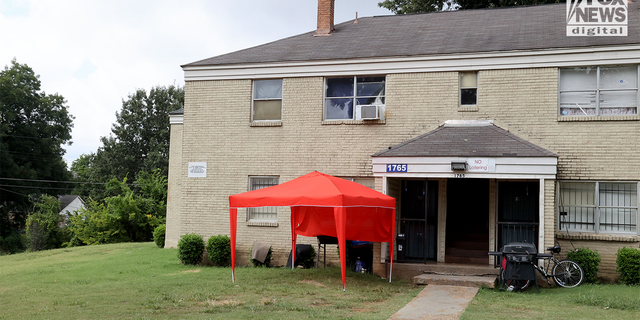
(436, 302)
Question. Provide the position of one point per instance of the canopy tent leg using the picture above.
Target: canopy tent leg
(294, 236)
(233, 222)
(340, 216)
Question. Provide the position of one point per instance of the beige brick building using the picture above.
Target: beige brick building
(484, 136)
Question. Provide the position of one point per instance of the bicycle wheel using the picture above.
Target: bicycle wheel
(568, 274)
(513, 284)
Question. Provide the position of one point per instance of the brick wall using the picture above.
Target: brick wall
(217, 130)
(174, 180)
(607, 250)
(325, 17)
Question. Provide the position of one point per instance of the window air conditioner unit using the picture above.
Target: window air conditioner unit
(368, 112)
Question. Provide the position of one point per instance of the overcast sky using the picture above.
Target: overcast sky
(95, 53)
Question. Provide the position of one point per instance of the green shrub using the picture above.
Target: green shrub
(124, 215)
(43, 226)
(267, 260)
(588, 260)
(13, 243)
(219, 250)
(159, 234)
(628, 262)
(190, 249)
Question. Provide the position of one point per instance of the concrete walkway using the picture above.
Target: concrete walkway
(437, 302)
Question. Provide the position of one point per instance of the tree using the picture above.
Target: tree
(33, 128)
(420, 6)
(44, 230)
(126, 216)
(415, 6)
(139, 140)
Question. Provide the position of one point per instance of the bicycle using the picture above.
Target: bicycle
(565, 273)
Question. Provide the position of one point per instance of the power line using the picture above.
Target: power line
(58, 181)
(32, 187)
(18, 193)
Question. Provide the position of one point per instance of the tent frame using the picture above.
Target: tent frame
(350, 212)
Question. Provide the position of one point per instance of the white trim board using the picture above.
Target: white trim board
(176, 119)
(440, 167)
(588, 56)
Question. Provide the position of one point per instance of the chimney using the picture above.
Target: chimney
(325, 18)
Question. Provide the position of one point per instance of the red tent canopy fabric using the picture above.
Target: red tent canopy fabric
(324, 205)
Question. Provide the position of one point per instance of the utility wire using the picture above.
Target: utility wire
(18, 193)
(58, 181)
(32, 187)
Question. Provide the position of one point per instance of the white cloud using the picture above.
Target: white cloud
(95, 53)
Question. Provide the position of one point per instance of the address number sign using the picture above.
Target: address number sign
(397, 168)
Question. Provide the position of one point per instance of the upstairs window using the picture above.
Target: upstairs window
(262, 213)
(599, 207)
(599, 91)
(342, 95)
(468, 88)
(267, 100)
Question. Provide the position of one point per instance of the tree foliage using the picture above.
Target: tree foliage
(420, 6)
(127, 215)
(44, 224)
(139, 139)
(33, 128)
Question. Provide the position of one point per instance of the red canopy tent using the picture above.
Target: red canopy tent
(324, 205)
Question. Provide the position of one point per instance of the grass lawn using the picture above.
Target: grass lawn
(584, 302)
(139, 280)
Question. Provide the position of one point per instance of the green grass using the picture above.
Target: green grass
(588, 301)
(141, 281)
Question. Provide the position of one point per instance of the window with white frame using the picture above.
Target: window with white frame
(468, 88)
(600, 207)
(367, 182)
(604, 90)
(267, 100)
(262, 213)
(342, 95)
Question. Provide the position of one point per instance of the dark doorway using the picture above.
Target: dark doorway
(467, 239)
(518, 212)
(418, 220)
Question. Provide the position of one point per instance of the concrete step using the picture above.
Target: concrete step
(455, 280)
(461, 269)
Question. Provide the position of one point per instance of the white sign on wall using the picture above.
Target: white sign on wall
(481, 165)
(197, 169)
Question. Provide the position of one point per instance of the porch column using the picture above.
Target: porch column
(493, 213)
(541, 245)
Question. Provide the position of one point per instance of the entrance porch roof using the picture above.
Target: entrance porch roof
(460, 138)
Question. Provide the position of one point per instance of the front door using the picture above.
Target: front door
(418, 220)
(467, 239)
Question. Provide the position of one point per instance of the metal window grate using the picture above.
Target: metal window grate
(262, 213)
(600, 207)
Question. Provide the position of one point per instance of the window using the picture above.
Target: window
(468, 88)
(592, 91)
(267, 100)
(600, 207)
(342, 95)
(262, 213)
(367, 182)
